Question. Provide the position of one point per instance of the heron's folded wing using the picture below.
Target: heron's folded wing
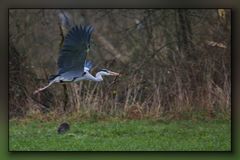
(74, 50)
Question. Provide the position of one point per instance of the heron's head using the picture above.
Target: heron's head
(106, 72)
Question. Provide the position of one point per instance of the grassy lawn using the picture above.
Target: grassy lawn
(121, 135)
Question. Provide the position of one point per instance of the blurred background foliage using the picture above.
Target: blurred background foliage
(172, 61)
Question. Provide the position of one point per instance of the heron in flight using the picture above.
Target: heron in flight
(72, 63)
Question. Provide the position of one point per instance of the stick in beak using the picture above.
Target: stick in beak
(114, 73)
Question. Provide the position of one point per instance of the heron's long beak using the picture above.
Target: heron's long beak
(113, 73)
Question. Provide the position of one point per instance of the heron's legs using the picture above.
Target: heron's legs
(43, 88)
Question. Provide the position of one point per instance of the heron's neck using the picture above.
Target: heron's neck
(97, 78)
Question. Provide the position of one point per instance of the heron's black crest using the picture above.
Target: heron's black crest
(104, 70)
(64, 127)
(74, 50)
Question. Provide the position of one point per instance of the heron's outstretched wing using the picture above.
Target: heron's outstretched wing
(65, 20)
(75, 47)
(88, 65)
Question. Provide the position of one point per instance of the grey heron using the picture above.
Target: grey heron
(72, 63)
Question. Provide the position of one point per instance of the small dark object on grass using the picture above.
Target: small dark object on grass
(64, 127)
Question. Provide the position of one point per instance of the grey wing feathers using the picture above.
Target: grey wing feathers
(88, 65)
(73, 53)
(65, 20)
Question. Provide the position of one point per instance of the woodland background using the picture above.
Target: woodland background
(173, 63)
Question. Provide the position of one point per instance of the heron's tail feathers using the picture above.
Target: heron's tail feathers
(52, 77)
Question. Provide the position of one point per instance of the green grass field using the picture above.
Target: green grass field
(121, 135)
